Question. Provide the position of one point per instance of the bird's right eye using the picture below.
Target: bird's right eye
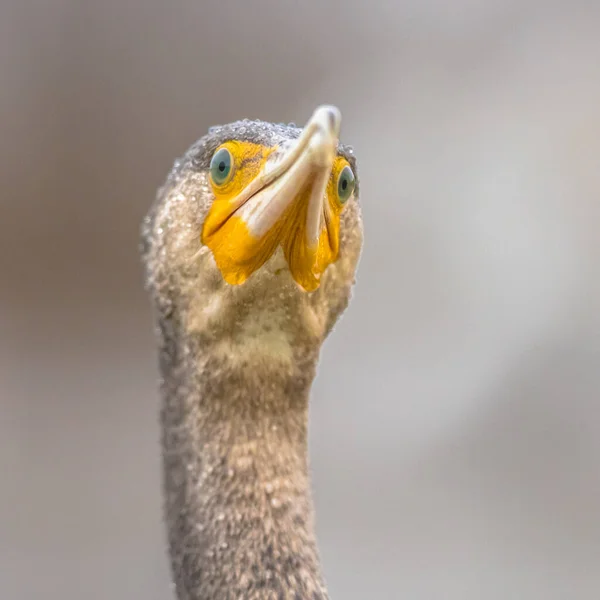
(221, 166)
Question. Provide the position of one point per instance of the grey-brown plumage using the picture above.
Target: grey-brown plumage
(237, 363)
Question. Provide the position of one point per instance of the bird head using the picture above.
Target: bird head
(258, 230)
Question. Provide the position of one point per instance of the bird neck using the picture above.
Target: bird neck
(238, 502)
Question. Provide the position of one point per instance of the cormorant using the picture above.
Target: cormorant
(250, 252)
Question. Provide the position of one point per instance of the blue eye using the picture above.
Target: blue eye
(346, 184)
(221, 166)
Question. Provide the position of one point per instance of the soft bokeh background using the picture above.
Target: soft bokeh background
(456, 418)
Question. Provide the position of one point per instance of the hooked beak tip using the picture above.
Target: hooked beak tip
(325, 125)
(329, 118)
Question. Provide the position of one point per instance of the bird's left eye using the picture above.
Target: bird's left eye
(346, 184)
(221, 166)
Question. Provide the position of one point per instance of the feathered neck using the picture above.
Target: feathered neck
(237, 491)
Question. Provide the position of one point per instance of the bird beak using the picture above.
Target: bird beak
(284, 205)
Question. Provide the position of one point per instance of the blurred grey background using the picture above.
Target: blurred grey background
(456, 417)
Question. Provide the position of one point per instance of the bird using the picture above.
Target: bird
(250, 252)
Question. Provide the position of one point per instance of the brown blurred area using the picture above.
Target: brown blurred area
(456, 417)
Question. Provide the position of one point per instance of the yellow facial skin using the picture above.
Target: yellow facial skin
(242, 239)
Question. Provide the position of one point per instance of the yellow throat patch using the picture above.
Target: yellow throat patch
(253, 214)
